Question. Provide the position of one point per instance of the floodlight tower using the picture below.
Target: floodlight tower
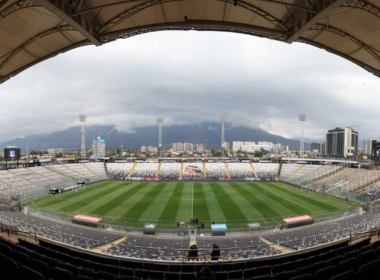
(223, 120)
(82, 119)
(302, 119)
(160, 121)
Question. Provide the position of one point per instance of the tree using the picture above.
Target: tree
(118, 151)
(212, 151)
(33, 153)
(259, 154)
(217, 154)
(46, 152)
(58, 155)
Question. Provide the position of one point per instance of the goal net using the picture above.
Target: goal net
(307, 189)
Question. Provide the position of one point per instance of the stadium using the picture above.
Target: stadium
(247, 220)
(202, 218)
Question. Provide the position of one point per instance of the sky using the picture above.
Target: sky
(192, 77)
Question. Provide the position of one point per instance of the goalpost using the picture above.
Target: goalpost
(307, 189)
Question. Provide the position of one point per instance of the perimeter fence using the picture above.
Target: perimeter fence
(319, 217)
(66, 184)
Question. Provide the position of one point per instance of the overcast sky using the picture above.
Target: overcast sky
(192, 77)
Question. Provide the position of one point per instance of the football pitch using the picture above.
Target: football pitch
(233, 203)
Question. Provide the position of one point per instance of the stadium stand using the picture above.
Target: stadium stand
(26, 260)
(192, 170)
(54, 176)
(326, 233)
(216, 170)
(120, 169)
(241, 170)
(306, 169)
(288, 169)
(33, 177)
(17, 182)
(145, 170)
(6, 192)
(266, 170)
(97, 167)
(323, 172)
(71, 235)
(59, 168)
(81, 169)
(170, 170)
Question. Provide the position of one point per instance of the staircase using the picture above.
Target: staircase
(204, 170)
(133, 168)
(253, 169)
(295, 171)
(180, 175)
(158, 170)
(25, 179)
(228, 172)
(89, 169)
(279, 170)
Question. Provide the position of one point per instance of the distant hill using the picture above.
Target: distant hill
(148, 136)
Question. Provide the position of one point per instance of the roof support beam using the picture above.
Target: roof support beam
(289, 5)
(305, 20)
(363, 5)
(339, 32)
(63, 11)
(22, 4)
(276, 22)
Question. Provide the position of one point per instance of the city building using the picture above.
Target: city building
(226, 146)
(55, 150)
(98, 147)
(367, 147)
(319, 148)
(188, 147)
(201, 147)
(254, 148)
(144, 149)
(152, 149)
(342, 142)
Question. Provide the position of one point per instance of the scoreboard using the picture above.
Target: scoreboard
(12, 153)
(376, 152)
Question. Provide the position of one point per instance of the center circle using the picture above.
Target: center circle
(206, 194)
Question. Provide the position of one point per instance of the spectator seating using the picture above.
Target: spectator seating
(54, 176)
(288, 169)
(266, 170)
(145, 170)
(306, 169)
(170, 170)
(216, 170)
(28, 175)
(97, 167)
(324, 172)
(326, 233)
(241, 170)
(191, 169)
(120, 169)
(59, 168)
(343, 175)
(25, 260)
(81, 169)
(17, 182)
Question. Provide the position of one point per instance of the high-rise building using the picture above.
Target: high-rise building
(144, 149)
(188, 147)
(236, 145)
(55, 150)
(98, 147)
(254, 148)
(323, 148)
(179, 147)
(342, 142)
(152, 149)
(201, 147)
(367, 147)
(226, 146)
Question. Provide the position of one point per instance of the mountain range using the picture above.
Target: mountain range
(148, 136)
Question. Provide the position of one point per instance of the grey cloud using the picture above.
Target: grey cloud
(192, 77)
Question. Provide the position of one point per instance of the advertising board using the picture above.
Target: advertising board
(296, 219)
(227, 179)
(101, 140)
(136, 178)
(350, 154)
(190, 179)
(151, 179)
(88, 218)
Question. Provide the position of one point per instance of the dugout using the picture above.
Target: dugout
(86, 221)
(149, 229)
(218, 230)
(54, 191)
(298, 221)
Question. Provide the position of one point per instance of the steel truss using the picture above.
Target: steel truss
(18, 6)
(258, 12)
(362, 5)
(339, 32)
(32, 40)
(131, 12)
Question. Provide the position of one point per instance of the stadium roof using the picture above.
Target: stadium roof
(33, 31)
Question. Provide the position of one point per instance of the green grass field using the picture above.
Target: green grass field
(232, 203)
